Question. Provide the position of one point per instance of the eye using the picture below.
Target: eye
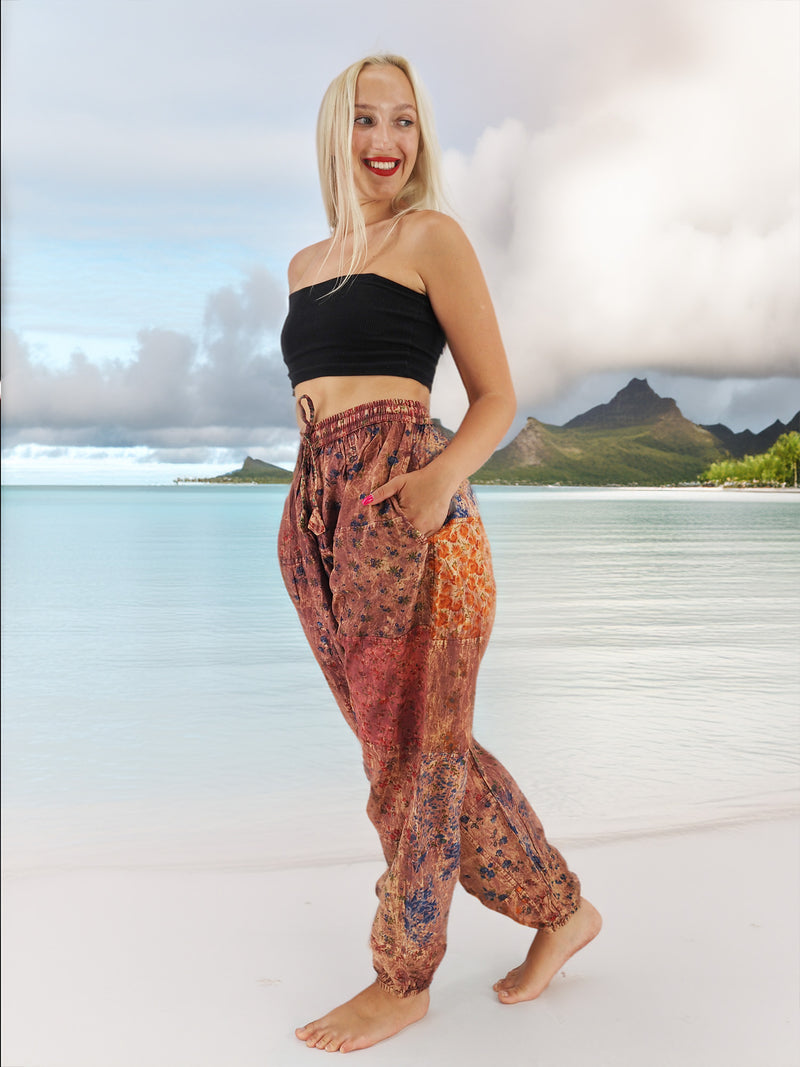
(406, 123)
(363, 120)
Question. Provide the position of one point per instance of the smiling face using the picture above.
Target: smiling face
(385, 138)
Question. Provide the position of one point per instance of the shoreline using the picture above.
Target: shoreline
(47, 841)
(161, 969)
(183, 482)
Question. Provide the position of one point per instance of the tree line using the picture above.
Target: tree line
(775, 467)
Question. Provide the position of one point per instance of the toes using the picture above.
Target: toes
(325, 1039)
(316, 1035)
(311, 1034)
(507, 982)
(312, 1027)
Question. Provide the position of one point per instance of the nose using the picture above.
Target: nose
(381, 135)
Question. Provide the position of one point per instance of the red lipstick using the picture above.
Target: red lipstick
(383, 166)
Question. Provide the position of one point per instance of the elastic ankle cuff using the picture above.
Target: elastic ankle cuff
(409, 990)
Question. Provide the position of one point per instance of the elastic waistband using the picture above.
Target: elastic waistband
(334, 427)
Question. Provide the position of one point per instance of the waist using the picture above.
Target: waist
(319, 432)
(332, 396)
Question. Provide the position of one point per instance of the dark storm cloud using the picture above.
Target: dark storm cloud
(173, 394)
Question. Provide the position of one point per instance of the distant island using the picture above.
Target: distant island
(251, 472)
(637, 438)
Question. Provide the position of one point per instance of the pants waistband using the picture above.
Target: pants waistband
(334, 427)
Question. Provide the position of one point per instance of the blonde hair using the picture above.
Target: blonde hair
(334, 156)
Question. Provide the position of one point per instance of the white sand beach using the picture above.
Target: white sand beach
(697, 964)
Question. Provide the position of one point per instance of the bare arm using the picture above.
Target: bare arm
(460, 298)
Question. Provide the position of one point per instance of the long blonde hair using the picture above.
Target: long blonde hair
(334, 156)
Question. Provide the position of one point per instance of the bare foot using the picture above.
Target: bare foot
(371, 1016)
(550, 950)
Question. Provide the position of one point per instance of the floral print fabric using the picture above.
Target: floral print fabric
(399, 623)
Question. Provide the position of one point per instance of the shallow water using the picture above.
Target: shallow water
(160, 704)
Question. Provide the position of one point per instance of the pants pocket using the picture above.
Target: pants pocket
(397, 512)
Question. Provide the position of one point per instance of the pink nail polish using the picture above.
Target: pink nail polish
(368, 499)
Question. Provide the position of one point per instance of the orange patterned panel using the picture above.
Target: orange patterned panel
(463, 583)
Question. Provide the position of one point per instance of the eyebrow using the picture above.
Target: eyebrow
(371, 107)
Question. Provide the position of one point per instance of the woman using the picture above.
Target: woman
(383, 551)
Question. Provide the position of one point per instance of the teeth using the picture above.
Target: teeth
(380, 165)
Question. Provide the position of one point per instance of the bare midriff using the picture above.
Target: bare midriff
(330, 395)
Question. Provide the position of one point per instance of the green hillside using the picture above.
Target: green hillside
(638, 438)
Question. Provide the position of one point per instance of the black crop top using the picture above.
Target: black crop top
(371, 325)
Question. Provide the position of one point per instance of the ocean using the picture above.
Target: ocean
(161, 707)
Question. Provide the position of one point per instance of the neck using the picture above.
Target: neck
(378, 219)
(376, 211)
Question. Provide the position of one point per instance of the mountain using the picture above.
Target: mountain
(633, 405)
(257, 468)
(252, 470)
(747, 443)
(638, 438)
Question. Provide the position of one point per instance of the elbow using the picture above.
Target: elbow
(511, 408)
(512, 404)
(504, 402)
(508, 400)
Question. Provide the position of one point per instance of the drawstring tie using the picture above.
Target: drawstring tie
(313, 521)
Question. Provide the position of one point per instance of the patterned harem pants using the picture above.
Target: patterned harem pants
(399, 624)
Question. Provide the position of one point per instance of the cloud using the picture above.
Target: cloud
(231, 390)
(176, 112)
(627, 169)
(657, 222)
(754, 404)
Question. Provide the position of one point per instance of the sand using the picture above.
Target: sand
(697, 964)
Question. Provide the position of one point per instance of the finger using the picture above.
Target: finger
(383, 492)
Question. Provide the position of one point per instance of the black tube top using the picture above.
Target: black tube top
(371, 325)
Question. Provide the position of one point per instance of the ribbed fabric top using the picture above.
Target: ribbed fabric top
(371, 325)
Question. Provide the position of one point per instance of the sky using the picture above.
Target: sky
(628, 171)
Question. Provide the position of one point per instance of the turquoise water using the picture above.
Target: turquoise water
(160, 705)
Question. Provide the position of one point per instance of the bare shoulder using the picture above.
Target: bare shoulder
(304, 261)
(442, 252)
(430, 230)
